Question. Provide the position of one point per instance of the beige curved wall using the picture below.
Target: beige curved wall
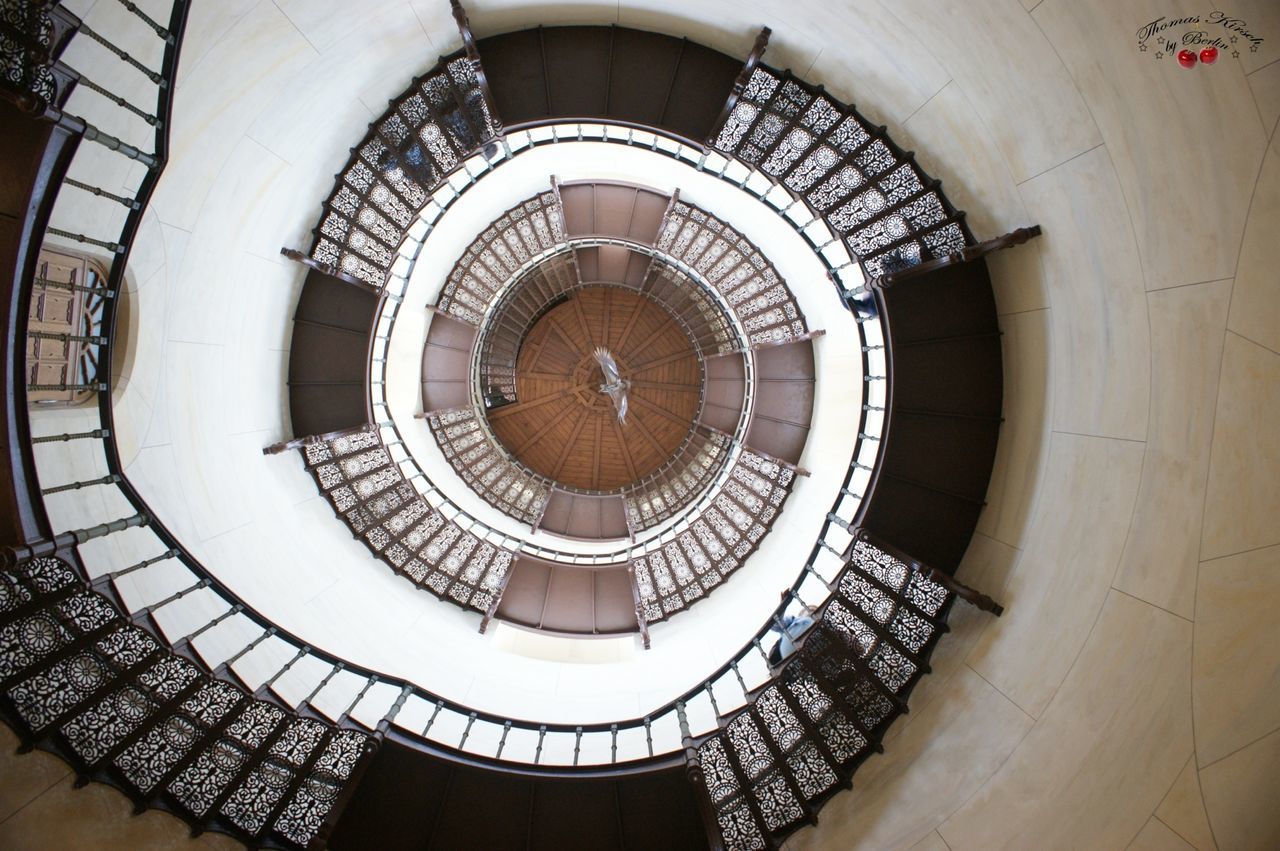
(1131, 692)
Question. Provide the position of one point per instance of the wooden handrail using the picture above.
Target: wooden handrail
(473, 56)
(313, 439)
(740, 82)
(966, 255)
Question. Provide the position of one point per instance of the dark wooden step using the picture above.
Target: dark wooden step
(615, 73)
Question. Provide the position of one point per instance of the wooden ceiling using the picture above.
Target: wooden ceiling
(564, 428)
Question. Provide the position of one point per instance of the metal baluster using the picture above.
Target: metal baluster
(159, 30)
(306, 701)
(760, 648)
(542, 734)
(146, 612)
(226, 665)
(114, 247)
(822, 541)
(502, 743)
(355, 701)
(153, 76)
(742, 684)
(394, 711)
(75, 486)
(842, 523)
(432, 719)
(69, 338)
(106, 93)
(14, 554)
(613, 755)
(186, 640)
(648, 733)
(471, 719)
(262, 689)
(81, 127)
(96, 387)
(577, 746)
(78, 288)
(102, 581)
(131, 203)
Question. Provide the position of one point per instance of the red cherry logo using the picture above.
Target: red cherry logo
(1186, 58)
(1209, 55)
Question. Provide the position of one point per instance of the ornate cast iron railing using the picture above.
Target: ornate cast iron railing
(889, 213)
(241, 726)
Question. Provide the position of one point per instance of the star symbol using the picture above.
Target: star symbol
(1233, 39)
(1159, 55)
(1142, 48)
(1235, 54)
(1253, 48)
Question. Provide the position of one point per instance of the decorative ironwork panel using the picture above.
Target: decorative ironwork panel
(530, 228)
(739, 829)
(480, 462)
(46, 696)
(100, 728)
(199, 786)
(120, 699)
(717, 543)
(304, 815)
(26, 37)
(146, 762)
(412, 148)
(729, 262)
(251, 803)
(368, 491)
(844, 168)
(655, 501)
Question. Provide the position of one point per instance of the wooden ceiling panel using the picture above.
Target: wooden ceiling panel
(563, 427)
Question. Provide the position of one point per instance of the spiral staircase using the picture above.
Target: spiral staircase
(282, 744)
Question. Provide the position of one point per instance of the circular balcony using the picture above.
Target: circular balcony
(766, 736)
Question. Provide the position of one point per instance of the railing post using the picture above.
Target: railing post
(159, 30)
(73, 435)
(955, 258)
(311, 440)
(473, 57)
(964, 592)
(740, 82)
(697, 778)
(641, 620)
(75, 486)
(492, 609)
(10, 556)
(93, 134)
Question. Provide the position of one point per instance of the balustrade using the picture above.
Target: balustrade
(99, 682)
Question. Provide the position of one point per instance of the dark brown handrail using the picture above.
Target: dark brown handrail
(956, 258)
(744, 77)
(473, 57)
(610, 770)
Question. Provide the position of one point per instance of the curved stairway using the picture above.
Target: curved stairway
(774, 762)
(99, 687)
(102, 690)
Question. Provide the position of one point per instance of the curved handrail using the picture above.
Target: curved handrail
(239, 608)
(599, 130)
(234, 602)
